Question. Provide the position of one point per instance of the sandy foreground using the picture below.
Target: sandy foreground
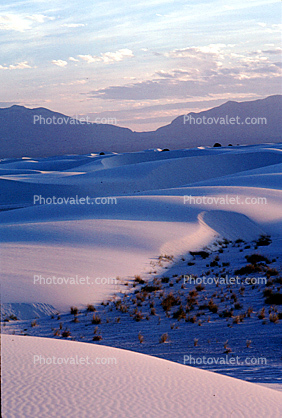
(51, 378)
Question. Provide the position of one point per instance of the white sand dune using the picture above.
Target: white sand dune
(150, 216)
(231, 225)
(127, 385)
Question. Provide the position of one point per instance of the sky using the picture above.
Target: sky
(138, 64)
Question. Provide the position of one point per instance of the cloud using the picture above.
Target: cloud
(238, 76)
(59, 63)
(108, 57)
(19, 66)
(73, 59)
(14, 22)
(40, 18)
(209, 50)
(20, 22)
(273, 51)
(73, 25)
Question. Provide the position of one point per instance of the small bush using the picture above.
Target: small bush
(257, 258)
(261, 314)
(74, 310)
(97, 338)
(263, 240)
(274, 299)
(248, 343)
(273, 317)
(212, 306)
(96, 319)
(138, 316)
(66, 333)
(90, 308)
(163, 338)
(138, 280)
(179, 314)
(169, 301)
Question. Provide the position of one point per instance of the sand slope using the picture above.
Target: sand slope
(128, 385)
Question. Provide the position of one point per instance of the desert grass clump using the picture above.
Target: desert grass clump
(264, 240)
(249, 312)
(34, 323)
(74, 310)
(163, 338)
(179, 314)
(97, 338)
(261, 314)
(96, 319)
(274, 299)
(140, 337)
(138, 280)
(169, 301)
(138, 316)
(273, 317)
(66, 333)
(153, 311)
(248, 343)
(212, 306)
(196, 342)
(227, 349)
(75, 320)
(257, 258)
(90, 308)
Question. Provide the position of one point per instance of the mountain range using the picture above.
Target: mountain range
(250, 122)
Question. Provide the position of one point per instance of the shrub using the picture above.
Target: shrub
(273, 317)
(200, 287)
(248, 269)
(138, 280)
(274, 299)
(165, 279)
(66, 333)
(153, 311)
(140, 337)
(196, 342)
(75, 319)
(34, 323)
(74, 310)
(227, 314)
(90, 308)
(257, 258)
(203, 254)
(163, 338)
(169, 301)
(179, 314)
(248, 343)
(261, 314)
(151, 288)
(212, 306)
(97, 338)
(96, 319)
(263, 240)
(138, 316)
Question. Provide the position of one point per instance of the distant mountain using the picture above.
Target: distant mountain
(253, 122)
